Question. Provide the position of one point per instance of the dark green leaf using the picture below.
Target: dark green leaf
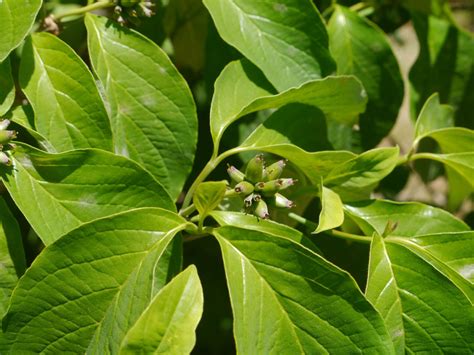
(287, 299)
(151, 107)
(7, 86)
(17, 16)
(69, 112)
(111, 266)
(287, 40)
(362, 49)
(169, 323)
(58, 192)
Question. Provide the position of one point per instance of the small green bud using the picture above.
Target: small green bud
(4, 124)
(269, 187)
(4, 159)
(235, 174)
(261, 210)
(255, 169)
(129, 3)
(282, 202)
(244, 188)
(285, 183)
(7, 136)
(274, 171)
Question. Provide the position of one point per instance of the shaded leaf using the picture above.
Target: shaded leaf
(18, 16)
(287, 299)
(362, 49)
(152, 111)
(81, 277)
(169, 323)
(7, 86)
(59, 192)
(287, 40)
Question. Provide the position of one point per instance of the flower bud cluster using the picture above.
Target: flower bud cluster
(261, 186)
(6, 147)
(131, 10)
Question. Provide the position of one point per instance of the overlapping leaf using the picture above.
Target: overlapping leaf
(332, 211)
(68, 109)
(287, 299)
(152, 112)
(88, 288)
(18, 16)
(7, 86)
(58, 192)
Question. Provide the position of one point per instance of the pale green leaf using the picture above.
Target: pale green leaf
(454, 140)
(12, 255)
(340, 98)
(287, 299)
(58, 192)
(362, 49)
(7, 86)
(382, 292)
(433, 116)
(66, 295)
(151, 108)
(208, 195)
(17, 18)
(287, 39)
(332, 210)
(169, 323)
(69, 112)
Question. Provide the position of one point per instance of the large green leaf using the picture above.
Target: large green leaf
(68, 109)
(240, 90)
(7, 86)
(18, 16)
(58, 192)
(444, 65)
(168, 325)
(109, 266)
(437, 317)
(355, 178)
(151, 107)
(287, 40)
(287, 299)
(361, 48)
(412, 218)
(12, 255)
(382, 292)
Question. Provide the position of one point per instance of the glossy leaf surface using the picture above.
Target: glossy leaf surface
(7, 86)
(82, 276)
(362, 49)
(287, 299)
(169, 323)
(18, 16)
(288, 40)
(152, 111)
(69, 112)
(58, 192)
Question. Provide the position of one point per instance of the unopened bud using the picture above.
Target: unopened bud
(255, 168)
(282, 202)
(4, 159)
(7, 136)
(129, 3)
(4, 124)
(235, 174)
(274, 171)
(244, 188)
(269, 187)
(285, 183)
(261, 210)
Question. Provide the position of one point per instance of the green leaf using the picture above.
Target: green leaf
(437, 317)
(59, 192)
(356, 178)
(18, 16)
(169, 323)
(454, 140)
(208, 195)
(107, 266)
(340, 98)
(444, 65)
(382, 292)
(287, 299)
(332, 210)
(68, 109)
(12, 255)
(7, 86)
(362, 49)
(287, 40)
(413, 219)
(438, 8)
(433, 116)
(151, 107)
